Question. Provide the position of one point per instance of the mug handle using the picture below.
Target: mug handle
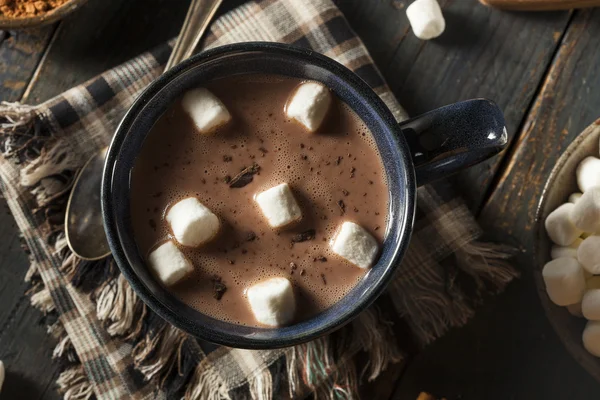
(454, 137)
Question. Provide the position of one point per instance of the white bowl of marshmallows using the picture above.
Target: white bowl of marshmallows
(568, 248)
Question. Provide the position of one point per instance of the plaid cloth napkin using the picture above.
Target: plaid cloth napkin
(112, 346)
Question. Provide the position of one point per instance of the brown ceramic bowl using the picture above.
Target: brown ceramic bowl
(559, 186)
(44, 19)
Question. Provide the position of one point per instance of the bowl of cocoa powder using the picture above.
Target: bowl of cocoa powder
(15, 14)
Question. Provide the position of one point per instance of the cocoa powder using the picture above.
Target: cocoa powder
(27, 8)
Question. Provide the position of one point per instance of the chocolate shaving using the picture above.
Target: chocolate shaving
(219, 287)
(323, 279)
(250, 236)
(233, 146)
(302, 272)
(339, 160)
(345, 192)
(320, 258)
(304, 236)
(377, 228)
(227, 158)
(231, 262)
(244, 177)
(263, 150)
(227, 179)
(352, 171)
(293, 266)
(342, 206)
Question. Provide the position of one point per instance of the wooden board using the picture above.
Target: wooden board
(483, 53)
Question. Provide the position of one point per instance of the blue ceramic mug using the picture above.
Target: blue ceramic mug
(414, 152)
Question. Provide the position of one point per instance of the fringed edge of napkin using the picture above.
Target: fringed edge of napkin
(164, 355)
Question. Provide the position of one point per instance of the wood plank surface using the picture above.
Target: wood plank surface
(484, 52)
(509, 350)
(25, 348)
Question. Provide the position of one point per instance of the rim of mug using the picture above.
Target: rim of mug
(398, 247)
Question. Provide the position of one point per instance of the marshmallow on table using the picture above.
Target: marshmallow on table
(586, 212)
(169, 264)
(560, 227)
(353, 243)
(566, 251)
(426, 19)
(590, 305)
(309, 105)
(591, 338)
(206, 110)
(192, 223)
(272, 301)
(588, 254)
(565, 283)
(588, 173)
(279, 206)
(574, 197)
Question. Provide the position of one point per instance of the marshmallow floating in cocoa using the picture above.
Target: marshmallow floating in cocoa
(588, 173)
(192, 223)
(272, 301)
(279, 206)
(560, 226)
(564, 279)
(426, 19)
(205, 109)
(353, 243)
(169, 264)
(309, 105)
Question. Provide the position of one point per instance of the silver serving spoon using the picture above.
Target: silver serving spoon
(84, 229)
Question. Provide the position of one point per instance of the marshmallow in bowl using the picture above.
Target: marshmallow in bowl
(566, 251)
(169, 264)
(279, 206)
(574, 197)
(586, 212)
(560, 226)
(205, 109)
(353, 243)
(564, 279)
(192, 223)
(588, 173)
(588, 254)
(272, 301)
(591, 337)
(309, 105)
(426, 19)
(590, 305)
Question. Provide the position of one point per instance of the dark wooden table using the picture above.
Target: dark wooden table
(543, 69)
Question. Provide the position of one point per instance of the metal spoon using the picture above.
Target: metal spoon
(84, 229)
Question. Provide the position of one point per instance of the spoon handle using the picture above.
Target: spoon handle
(198, 18)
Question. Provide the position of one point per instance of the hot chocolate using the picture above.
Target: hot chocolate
(255, 156)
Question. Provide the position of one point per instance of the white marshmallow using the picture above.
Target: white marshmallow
(169, 264)
(588, 173)
(575, 310)
(591, 338)
(279, 205)
(564, 281)
(272, 301)
(566, 251)
(574, 197)
(309, 105)
(206, 110)
(2, 374)
(426, 19)
(560, 227)
(588, 254)
(355, 244)
(586, 212)
(590, 305)
(192, 223)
